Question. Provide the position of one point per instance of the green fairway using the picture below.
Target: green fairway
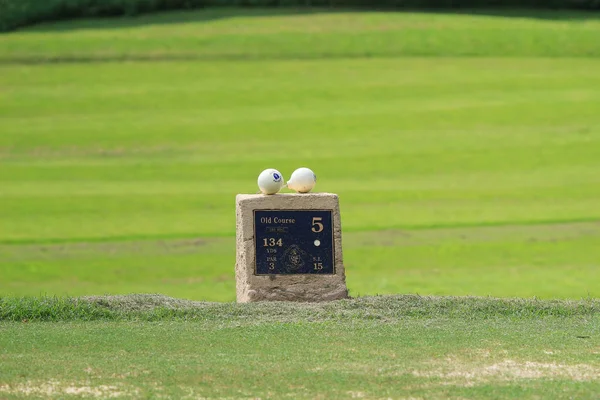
(307, 34)
(471, 171)
(382, 347)
(422, 359)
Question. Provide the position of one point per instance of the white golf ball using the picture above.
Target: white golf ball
(270, 181)
(303, 180)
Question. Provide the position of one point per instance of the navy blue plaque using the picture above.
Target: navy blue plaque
(294, 242)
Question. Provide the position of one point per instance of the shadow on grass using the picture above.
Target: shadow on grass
(212, 14)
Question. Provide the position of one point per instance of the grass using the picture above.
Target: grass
(464, 149)
(461, 173)
(258, 34)
(382, 308)
(373, 347)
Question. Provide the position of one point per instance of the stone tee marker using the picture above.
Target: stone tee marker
(289, 247)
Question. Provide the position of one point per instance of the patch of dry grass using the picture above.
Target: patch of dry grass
(453, 371)
(59, 389)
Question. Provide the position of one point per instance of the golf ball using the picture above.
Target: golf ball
(303, 180)
(270, 181)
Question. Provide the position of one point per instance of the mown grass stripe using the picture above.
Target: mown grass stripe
(420, 227)
(104, 59)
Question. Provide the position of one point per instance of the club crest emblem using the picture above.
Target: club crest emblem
(295, 258)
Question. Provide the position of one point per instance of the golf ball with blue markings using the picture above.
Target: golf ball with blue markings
(270, 181)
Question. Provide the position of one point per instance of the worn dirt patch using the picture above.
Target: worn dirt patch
(55, 388)
(460, 374)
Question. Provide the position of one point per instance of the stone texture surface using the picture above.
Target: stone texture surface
(306, 288)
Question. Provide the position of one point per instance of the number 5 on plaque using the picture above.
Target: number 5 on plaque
(317, 226)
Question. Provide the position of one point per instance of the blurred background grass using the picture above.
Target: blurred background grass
(259, 34)
(465, 148)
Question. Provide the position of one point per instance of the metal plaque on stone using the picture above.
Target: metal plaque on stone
(289, 247)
